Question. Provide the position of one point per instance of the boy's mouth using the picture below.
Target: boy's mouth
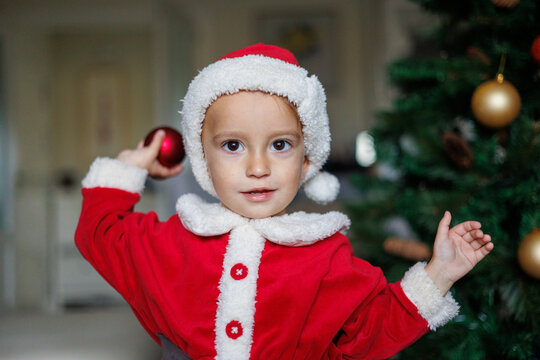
(259, 194)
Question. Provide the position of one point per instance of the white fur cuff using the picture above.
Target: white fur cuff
(428, 298)
(113, 173)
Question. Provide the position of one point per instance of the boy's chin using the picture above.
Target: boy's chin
(255, 212)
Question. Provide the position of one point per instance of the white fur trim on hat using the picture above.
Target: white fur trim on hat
(322, 188)
(256, 73)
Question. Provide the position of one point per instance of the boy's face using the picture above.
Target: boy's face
(254, 149)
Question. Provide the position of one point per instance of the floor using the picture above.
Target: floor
(97, 333)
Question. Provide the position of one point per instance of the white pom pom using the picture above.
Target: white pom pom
(322, 188)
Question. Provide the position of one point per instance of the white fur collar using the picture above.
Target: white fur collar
(296, 229)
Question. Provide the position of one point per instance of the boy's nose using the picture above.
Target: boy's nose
(258, 165)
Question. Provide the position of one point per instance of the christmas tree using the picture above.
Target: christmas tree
(464, 136)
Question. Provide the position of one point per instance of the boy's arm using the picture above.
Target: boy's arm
(109, 232)
(399, 314)
(394, 315)
(107, 223)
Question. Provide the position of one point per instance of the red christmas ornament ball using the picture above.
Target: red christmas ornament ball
(172, 150)
(535, 49)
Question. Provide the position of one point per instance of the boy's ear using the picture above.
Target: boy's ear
(305, 167)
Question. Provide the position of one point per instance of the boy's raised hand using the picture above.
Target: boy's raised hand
(145, 157)
(456, 251)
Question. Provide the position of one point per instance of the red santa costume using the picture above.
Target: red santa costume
(221, 286)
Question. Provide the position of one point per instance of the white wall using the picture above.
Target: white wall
(185, 36)
(26, 54)
(223, 26)
(28, 30)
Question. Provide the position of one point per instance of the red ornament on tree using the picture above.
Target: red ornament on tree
(535, 50)
(172, 150)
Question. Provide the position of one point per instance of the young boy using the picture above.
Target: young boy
(242, 279)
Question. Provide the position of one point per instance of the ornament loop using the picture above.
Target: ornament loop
(500, 76)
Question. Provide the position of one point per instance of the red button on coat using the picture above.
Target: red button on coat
(234, 329)
(239, 271)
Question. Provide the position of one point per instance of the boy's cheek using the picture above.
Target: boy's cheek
(222, 171)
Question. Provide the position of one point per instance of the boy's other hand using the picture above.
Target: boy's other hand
(456, 251)
(145, 157)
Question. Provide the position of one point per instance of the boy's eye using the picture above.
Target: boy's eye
(280, 145)
(232, 146)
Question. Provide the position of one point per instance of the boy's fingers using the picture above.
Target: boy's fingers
(472, 235)
(477, 244)
(156, 141)
(173, 171)
(482, 242)
(161, 172)
(484, 250)
(177, 169)
(464, 227)
(444, 224)
(140, 145)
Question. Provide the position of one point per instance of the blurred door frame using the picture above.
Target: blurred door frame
(7, 249)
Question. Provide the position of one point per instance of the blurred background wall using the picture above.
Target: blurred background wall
(81, 78)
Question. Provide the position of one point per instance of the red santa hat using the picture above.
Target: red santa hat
(272, 70)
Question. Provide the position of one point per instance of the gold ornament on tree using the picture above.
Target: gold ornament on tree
(529, 253)
(496, 103)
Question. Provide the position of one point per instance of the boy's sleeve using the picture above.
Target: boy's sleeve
(108, 228)
(394, 315)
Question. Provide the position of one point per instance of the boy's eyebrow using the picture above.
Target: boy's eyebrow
(297, 134)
